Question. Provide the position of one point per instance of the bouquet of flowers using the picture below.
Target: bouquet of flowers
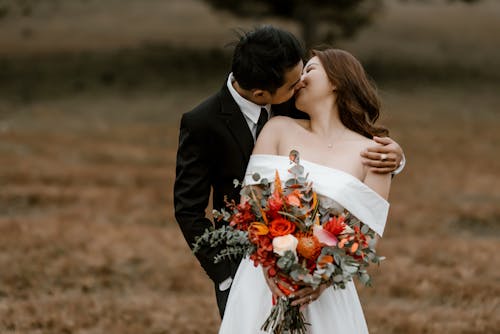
(297, 236)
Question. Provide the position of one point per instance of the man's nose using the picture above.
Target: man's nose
(299, 85)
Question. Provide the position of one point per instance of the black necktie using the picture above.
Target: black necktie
(262, 120)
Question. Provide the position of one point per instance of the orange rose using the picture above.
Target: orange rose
(281, 226)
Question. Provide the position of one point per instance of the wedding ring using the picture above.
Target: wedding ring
(310, 298)
(383, 157)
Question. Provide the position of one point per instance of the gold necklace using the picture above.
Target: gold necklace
(330, 145)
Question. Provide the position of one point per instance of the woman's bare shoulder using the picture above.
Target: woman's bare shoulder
(283, 121)
(359, 140)
(274, 130)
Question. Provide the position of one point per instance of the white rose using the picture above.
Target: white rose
(285, 243)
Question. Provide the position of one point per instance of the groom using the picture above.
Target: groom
(217, 137)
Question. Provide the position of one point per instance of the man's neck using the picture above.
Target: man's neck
(246, 94)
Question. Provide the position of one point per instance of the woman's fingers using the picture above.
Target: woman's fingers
(305, 296)
(272, 284)
(308, 295)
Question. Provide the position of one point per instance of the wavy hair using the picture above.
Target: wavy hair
(357, 98)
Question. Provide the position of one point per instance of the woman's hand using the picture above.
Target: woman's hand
(272, 283)
(307, 295)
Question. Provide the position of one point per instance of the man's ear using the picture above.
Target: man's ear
(258, 93)
(261, 95)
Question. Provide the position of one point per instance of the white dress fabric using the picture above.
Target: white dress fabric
(337, 310)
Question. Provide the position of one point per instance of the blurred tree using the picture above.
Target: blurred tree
(21, 8)
(319, 20)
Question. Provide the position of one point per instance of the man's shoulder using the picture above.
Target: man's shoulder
(204, 110)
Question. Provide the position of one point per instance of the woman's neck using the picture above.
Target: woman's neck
(325, 121)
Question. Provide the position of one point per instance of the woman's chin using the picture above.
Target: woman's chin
(299, 108)
(299, 105)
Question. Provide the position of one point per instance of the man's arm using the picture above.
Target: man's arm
(192, 193)
(387, 157)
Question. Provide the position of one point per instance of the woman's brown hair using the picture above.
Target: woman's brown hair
(357, 99)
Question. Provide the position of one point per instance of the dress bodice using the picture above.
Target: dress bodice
(345, 189)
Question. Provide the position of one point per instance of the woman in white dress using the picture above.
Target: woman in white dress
(343, 106)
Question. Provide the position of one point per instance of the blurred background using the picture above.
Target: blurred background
(91, 94)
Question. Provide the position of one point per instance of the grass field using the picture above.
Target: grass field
(88, 241)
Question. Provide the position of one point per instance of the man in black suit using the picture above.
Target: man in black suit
(217, 137)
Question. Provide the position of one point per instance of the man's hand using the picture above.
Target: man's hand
(383, 158)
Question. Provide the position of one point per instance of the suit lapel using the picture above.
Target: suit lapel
(236, 123)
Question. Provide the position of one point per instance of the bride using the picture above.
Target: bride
(343, 107)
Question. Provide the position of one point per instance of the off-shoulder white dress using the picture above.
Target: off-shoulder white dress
(337, 310)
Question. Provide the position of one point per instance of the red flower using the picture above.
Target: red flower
(274, 204)
(272, 271)
(281, 226)
(242, 219)
(264, 254)
(335, 225)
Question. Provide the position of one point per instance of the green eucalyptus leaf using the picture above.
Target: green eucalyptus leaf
(365, 228)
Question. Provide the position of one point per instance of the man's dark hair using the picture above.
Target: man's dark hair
(263, 55)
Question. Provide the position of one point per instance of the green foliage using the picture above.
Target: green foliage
(233, 243)
(285, 318)
(286, 262)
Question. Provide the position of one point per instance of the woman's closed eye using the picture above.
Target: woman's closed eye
(309, 68)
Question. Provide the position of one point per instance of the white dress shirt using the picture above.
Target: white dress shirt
(400, 167)
(250, 110)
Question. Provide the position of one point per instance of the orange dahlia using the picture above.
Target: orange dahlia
(309, 247)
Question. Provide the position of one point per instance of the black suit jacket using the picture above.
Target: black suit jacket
(215, 145)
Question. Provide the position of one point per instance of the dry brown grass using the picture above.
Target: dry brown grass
(89, 244)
